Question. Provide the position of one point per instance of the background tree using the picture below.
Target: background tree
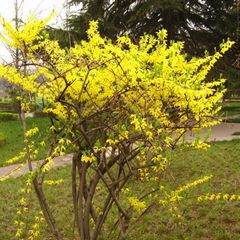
(200, 24)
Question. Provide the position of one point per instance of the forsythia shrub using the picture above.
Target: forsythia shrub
(120, 107)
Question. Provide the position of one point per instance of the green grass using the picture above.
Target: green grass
(12, 130)
(214, 220)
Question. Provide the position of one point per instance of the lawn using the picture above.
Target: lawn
(207, 220)
(12, 130)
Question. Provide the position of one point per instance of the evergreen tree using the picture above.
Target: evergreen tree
(201, 24)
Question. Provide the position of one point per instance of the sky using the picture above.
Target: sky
(28, 7)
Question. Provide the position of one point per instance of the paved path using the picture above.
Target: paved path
(220, 132)
(17, 170)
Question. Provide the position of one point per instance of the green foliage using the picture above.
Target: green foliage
(200, 24)
(64, 38)
(6, 106)
(5, 116)
(233, 120)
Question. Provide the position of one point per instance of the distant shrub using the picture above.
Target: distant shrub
(232, 120)
(4, 116)
(6, 106)
(40, 114)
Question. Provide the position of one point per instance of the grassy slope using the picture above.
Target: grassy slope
(13, 132)
(215, 220)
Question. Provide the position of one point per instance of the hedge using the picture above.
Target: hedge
(4, 116)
